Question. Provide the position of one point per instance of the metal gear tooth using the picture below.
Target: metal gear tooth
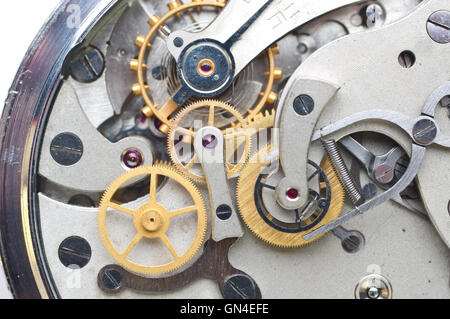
(143, 42)
(260, 120)
(160, 169)
(177, 119)
(251, 217)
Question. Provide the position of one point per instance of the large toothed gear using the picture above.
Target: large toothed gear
(164, 112)
(263, 120)
(152, 220)
(237, 142)
(261, 221)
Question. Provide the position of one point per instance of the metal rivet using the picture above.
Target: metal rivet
(239, 287)
(304, 105)
(88, 66)
(66, 149)
(224, 212)
(75, 251)
(407, 59)
(425, 131)
(438, 26)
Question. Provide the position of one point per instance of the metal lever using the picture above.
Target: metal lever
(209, 145)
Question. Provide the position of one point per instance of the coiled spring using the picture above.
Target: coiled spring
(353, 192)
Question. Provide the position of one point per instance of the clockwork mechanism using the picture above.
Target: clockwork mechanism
(230, 149)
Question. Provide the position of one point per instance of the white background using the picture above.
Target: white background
(20, 21)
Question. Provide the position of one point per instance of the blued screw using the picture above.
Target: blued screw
(239, 287)
(438, 26)
(88, 66)
(66, 149)
(74, 251)
(303, 105)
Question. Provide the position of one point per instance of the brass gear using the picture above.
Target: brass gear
(188, 138)
(163, 113)
(246, 192)
(262, 120)
(152, 220)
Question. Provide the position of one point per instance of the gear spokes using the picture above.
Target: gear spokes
(237, 142)
(152, 220)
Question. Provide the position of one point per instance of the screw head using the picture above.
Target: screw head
(66, 149)
(75, 251)
(384, 174)
(224, 212)
(369, 191)
(425, 131)
(438, 26)
(178, 42)
(373, 15)
(88, 66)
(304, 105)
(112, 279)
(239, 287)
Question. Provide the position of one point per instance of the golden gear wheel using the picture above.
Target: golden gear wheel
(262, 120)
(163, 113)
(152, 220)
(252, 218)
(188, 137)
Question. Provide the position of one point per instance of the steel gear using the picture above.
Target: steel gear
(152, 220)
(263, 224)
(164, 113)
(179, 134)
